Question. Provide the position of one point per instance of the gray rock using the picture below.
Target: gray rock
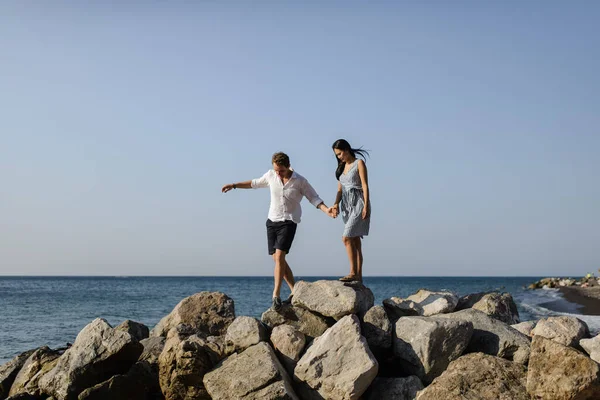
(525, 327)
(338, 364)
(500, 306)
(567, 331)
(99, 352)
(479, 376)
(377, 329)
(425, 346)
(182, 365)
(493, 337)
(394, 389)
(397, 308)
(332, 298)
(37, 365)
(433, 303)
(9, 371)
(153, 347)
(288, 343)
(560, 372)
(138, 384)
(245, 332)
(309, 323)
(209, 313)
(592, 347)
(253, 374)
(135, 329)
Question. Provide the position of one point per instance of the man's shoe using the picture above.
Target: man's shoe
(276, 304)
(288, 300)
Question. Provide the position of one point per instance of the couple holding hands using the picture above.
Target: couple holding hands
(288, 188)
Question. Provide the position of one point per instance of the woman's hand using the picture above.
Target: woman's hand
(366, 212)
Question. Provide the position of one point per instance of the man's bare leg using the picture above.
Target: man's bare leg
(280, 268)
(288, 275)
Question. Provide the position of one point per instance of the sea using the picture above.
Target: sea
(50, 311)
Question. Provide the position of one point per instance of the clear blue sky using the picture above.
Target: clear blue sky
(119, 123)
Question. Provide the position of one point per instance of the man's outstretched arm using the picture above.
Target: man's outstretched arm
(237, 185)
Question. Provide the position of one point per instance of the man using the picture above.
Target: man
(287, 190)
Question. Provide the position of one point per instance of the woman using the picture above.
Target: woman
(353, 202)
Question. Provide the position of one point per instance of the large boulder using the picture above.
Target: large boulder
(137, 384)
(377, 329)
(500, 306)
(525, 327)
(433, 303)
(288, 342)
(245, 332)
(479, 376)
(332, 298)
(253, 374)
(99, 352)
(424, 346)
(394, 388)
(592, 347)
(135, 329)
(397, 307)
(567, 331)
(37, 365)
(493, 337)
(9, 371)
(338, 365)
(153, 347)
(560, 372)
(307, 322)
(210, 313)
(184, 361)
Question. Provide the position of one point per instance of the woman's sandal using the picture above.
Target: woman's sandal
(349, 278)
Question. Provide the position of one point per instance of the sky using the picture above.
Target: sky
(121, 121)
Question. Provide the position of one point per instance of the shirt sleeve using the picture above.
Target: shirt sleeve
(311, 194)
(261, 182)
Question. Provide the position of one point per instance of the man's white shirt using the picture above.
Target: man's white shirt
(285, 199)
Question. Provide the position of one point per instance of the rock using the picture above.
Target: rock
(567, 331)
(434, 303)
(592, 347)
(37, 365)
(245, 332)
(210, 313)
(377, 329)
(525, 327)
(496, 305)
(153, 347)
(135, 329)
(479, 376)
(309, 323)
(183, 363)
(561, 372)
(394, 388)
(425, 346)
(338, 365)
(493, 337)
(288, 343)
(332, 298)
(98, 353)
(9, 371)
(253, 374)
(397, 308)
(138, 384)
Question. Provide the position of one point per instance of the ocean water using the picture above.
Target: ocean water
(37, 311)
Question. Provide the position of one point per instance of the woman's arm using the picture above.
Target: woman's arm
(364, 178)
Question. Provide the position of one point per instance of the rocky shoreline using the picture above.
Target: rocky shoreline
(331, 342)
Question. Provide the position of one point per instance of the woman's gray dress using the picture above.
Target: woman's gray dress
(352, 204)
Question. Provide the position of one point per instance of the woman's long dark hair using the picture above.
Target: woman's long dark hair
(343, 145)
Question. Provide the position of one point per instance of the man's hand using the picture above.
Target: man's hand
(336, 210)
(227, 188)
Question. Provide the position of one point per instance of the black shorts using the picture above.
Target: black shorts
(280, 235)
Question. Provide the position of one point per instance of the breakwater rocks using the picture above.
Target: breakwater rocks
(331, 342)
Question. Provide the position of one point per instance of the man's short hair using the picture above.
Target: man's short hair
(281, 159)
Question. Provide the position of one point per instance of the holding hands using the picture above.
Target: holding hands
(333, 211)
